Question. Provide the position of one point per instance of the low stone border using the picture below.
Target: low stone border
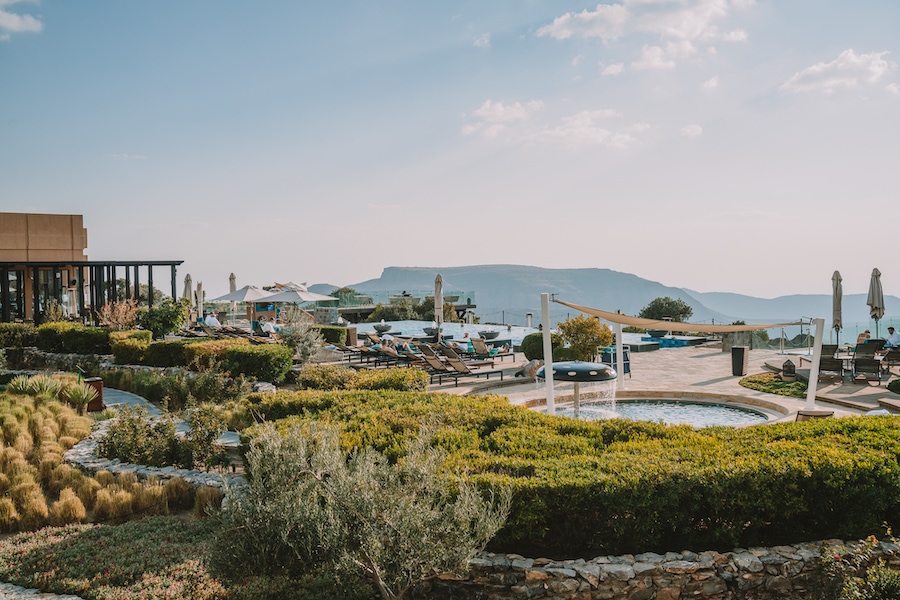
(84, 455)
(9, 591)
(759, 573)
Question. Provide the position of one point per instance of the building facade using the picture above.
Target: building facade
(43, 261)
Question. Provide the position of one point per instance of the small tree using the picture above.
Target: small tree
(165, 318)
(297, 333)
(119, 316)
(665, 307)
(308, 505)
(400, 311)
(584, 335)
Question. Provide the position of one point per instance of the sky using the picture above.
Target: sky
(717, 145)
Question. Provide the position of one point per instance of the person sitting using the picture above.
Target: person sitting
(863, 337)
(211, 320)
(267, 326)
(893, 338)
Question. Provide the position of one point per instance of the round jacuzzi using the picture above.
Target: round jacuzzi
(669, 411)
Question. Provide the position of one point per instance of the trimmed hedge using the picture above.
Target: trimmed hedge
(17, 335)
(165, 354)
(617, 486)
(338, 377)
(533, 345)
(207, 354)
(131, 334)
(72, 338)
(332, 334)
(266, 362)
(129, 351)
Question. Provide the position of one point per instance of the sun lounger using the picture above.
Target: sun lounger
(450, 353)
(482, 351)
(831, 369)
(460, 369)
(867, 369)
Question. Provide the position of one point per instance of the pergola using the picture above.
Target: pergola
(98, 277)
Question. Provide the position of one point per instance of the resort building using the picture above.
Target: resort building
(43, 260)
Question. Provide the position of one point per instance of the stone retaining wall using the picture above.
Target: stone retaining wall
(748, 574)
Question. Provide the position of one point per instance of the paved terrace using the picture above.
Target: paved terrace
(702, 372)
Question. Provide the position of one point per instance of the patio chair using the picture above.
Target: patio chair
(891, 358)
(460, 369)
(809, 415)
(482, 351)
(831, 369)
(829, 350)
(450, 353)
(864, 351)
(373, 337)
(878, 343)
(867, 369)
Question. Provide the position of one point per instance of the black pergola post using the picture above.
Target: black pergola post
(174, 284)
(150, 285)
(79, 284)
(35, 297)
(4, 290)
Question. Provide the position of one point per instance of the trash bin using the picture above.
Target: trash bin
(97, 403)
(352, 340)
(739, 357)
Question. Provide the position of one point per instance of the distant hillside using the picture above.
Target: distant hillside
(505, 293)
(853, 306)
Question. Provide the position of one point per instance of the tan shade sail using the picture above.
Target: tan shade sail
(671, 325)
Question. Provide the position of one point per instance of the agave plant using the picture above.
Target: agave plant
(80, 395)
(44, 385)
(20, 384)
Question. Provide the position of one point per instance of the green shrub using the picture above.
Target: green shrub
(265, 362)
(533, 345)
(17, 335)
(165, 354)
(564, 353)
(394, 378)
(772, 384)
(129, 351)
(72, 338)
(894, 386)
(332, 333)
(326, 377)
(131, 334)
(617, 486)
(165, 317)
(136, 438)
(208, 354)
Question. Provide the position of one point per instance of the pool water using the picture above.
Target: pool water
(670, 412)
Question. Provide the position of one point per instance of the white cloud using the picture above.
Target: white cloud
(483, 41)
(710, 84)
(497, 112)
(588, 127)
(577, 60)
(679, 23)
(492, 117)
(11, 22)
(893, 88)
(692, 130)
(848, 70)
(613, 69)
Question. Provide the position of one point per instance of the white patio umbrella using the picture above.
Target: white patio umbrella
(188, 289)
(875, 299)
(248, 293)
(837, 294)
(296, 296)
(439, 303)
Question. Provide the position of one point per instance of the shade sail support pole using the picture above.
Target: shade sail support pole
(548, 353)
(814, 367)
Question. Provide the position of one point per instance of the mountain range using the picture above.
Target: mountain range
(506, 293)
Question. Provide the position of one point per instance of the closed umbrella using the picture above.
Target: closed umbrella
(875, 299)
(188, 289)
(439, 304)
(232, 287)
(837, 294)
(199, 300)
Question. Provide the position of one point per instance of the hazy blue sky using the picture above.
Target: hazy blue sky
(720, 145)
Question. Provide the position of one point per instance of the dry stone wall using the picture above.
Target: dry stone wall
(746, 574)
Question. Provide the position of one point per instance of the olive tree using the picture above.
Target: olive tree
(584, 335)
(310, 506)
(665, 307)
(297, 332)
